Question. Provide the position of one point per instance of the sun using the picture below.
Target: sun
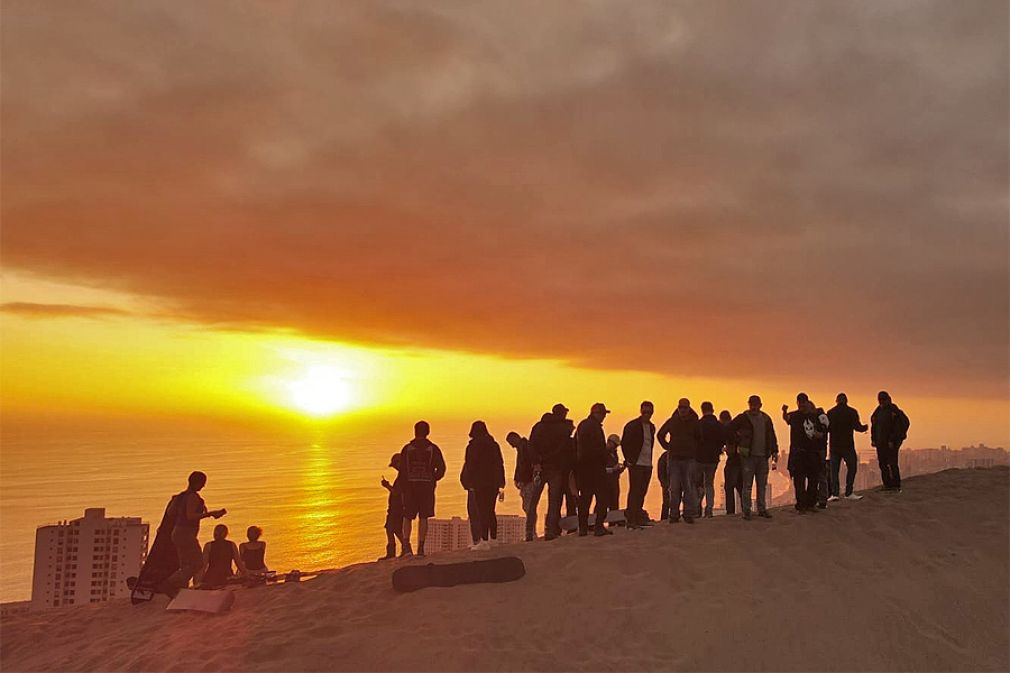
(320, 391)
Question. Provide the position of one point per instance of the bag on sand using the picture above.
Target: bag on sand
(214, 602)
(412, 578)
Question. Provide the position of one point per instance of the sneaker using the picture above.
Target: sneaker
(647, 523)
(583, 533)
(765, 514)
(822, 505)
(600, 532)
(834, 498)
(530, 537)
(853, 496)
(746, 516)
(708, 515)
(476, 546)
(673, 519)
(407, 551)
(688, 519)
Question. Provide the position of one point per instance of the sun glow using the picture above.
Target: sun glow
(320, 391)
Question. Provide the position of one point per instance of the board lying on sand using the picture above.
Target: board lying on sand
(214, 602)
(614, 517)
(412, 578)
(162, 560)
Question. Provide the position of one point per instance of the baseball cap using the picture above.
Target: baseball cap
(599, 406)
(394, 460)
(559, 409)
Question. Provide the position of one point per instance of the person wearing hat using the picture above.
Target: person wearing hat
(550, 447)
(394, 510)
(889, 428)
(591, 472)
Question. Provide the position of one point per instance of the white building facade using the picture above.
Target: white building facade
(87, 560)
(454, 533)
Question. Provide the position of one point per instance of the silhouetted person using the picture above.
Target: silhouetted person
(890, 428)
(218, 555)
(528, 479)
(189, 510)
(550, 447)
(823, 485)
(422, 463)
(483, 475)
(805, 462)
(732, 475)
(663, 475)
(713, 440)
(614, 469)
(637, 442)
(756, 443)
(394, 511)
(680, 436)
(591, 470)
(253, 552)
(843, 422)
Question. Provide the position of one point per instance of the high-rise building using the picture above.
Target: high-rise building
(87, 560)
(454, 533)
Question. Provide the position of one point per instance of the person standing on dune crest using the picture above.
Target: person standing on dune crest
(591, 473)
(637, 441)
(805, 463)
(422, 463)
(528, 479)
(189, 508)
(843, 421)
(680, 436)
(890, 428)
(754, 434)
(550, 447)
(713, 439)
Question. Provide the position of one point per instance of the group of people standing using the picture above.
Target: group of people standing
(580, 468)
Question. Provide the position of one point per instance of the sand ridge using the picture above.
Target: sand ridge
(910, 582)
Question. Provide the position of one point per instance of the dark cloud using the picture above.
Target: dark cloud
(789, 190)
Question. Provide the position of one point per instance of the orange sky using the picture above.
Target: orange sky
(433, 208)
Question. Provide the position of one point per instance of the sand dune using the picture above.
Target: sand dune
(911, 582)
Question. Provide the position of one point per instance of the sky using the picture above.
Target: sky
(269, 208)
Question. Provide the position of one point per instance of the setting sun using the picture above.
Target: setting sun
(322, 390)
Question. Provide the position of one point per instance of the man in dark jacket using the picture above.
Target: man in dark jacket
(422, 463)
(843, 421)
(754, 434)
(637, 441)
(663, 474)
(528, 479)
(550, 447)
(591, 470)
(732, 474)
(890, 428)
(713, 439)
(680, 436)
(805, 462)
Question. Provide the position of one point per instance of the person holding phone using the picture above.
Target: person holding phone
(190, 509)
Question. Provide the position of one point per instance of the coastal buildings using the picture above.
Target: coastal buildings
(86, 560)
(454, 533)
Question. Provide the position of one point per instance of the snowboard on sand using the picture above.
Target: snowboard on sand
(414, 577)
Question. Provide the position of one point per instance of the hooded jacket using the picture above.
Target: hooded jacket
(551, 442)
(524, 463)
(483, 467)
(681, 436)
(890, 425)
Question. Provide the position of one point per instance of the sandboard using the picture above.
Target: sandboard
(614, 517)
(162, 560)
(214, 602)
(414, 577)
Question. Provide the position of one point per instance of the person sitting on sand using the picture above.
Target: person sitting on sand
(394, 510)
(254, 551)
(218, 555)
(422, 465)
(189, 509)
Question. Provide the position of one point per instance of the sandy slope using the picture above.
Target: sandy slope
(917, 581)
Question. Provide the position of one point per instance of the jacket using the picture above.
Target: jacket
(551, 443)
(890, 426)
(713, 438)
(803, 430)
(524, 464)
(663, 470)
(681, 436)
(632, 439)
(743, 433)
(421, 460)
(843, 420)
(483, 467)
(591, 444)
